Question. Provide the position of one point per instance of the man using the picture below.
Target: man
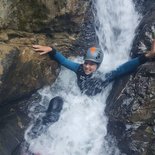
(88, 83)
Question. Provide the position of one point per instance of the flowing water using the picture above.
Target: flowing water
(82, 125)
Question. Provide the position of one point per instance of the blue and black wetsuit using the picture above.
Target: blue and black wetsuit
(89, 84)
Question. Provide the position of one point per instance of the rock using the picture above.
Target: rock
(22, 71)
(143, 39)
(13, 122)
(35, 15)
(134, 109)
(130, 107)
(142, 6)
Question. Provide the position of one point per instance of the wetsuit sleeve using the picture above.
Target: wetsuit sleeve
(126, 68)
(94, 85)
(54, 54)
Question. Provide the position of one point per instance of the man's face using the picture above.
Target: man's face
(89, 67)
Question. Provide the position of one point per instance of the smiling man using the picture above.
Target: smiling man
(87, 82)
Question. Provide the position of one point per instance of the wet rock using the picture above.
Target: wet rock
(133, 104)
(23, 71)
(143, 6)
(134, 109)
(87, 37)
(142, 41)
(13, 122)
(36, 15)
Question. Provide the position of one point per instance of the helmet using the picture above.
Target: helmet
(94, 54)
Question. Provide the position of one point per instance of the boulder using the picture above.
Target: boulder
(23, 71)
(131, 106)
(36, 15)
(145, 31)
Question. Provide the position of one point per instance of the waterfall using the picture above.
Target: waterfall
(82, 125)
(116, 21)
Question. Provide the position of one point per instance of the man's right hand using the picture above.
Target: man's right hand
(42, 49)
(151, 54)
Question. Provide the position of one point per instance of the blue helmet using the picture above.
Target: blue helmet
(94, 54)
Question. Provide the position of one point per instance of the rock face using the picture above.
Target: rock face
(13, 122)
(22, 71)
(142, 42)
(35, 15)
(143, 6)
(131, 107)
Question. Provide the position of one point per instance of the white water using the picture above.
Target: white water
(81, 129)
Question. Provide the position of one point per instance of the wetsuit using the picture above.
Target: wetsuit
(90, 84)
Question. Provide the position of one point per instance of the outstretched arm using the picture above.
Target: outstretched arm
(54, 54)
(131, 65)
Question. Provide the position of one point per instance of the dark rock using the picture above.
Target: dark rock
(134, 110)
(13, 122)
(22, 71)
(131, 107)
(35, 15)
(143, 6)
(144, 34)
(60, 22)
(87, 37)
